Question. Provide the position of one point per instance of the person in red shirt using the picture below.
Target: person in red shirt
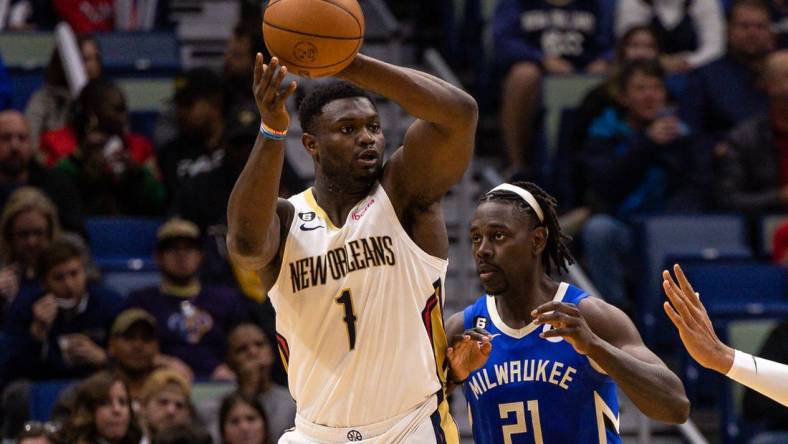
(86, 15)
(100, 106)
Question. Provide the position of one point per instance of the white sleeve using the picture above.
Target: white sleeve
(768, 378)
(630, 13)
(710, 29)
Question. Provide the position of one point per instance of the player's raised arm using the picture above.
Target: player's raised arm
(439, 145)
(252, 217)
(607, 336)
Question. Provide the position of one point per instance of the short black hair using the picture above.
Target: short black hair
(59, 251)
(650, 68)
(556, 255)
(312, 105)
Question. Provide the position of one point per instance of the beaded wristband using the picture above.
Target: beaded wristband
(270, 133)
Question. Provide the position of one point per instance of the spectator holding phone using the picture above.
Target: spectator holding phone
(114, 169)
(638, 160)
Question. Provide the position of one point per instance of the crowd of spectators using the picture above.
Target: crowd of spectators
(690, 115)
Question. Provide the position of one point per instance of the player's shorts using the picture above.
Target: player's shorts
(419, 426)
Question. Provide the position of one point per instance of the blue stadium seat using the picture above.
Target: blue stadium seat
(122, 243)
(43, 396)
(126, 281)
(731, 291)
(140, 53)
(672, 237)
(25, 83)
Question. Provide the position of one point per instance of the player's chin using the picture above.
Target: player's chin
(494, 288)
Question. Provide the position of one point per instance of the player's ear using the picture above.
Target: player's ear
(310, 144)
(538, 240)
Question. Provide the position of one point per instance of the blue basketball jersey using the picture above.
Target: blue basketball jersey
(534, 390)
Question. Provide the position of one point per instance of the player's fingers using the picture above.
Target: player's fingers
(481, 331)
(268, 74)
(486, 348)
(673, 316)
(548, 306)
(558, 332)
(675, 297)
(272, 94)
(287, 92)
(556, 319)
(456, 339)
(685, 285)
(258, 69)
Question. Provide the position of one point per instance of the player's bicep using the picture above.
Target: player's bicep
(257, 254)
(433, 159)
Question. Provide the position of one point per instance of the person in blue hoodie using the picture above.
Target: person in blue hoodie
(533, 38)
(639, 159)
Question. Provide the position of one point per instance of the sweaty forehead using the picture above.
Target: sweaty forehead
(351, 108)
(498, 213)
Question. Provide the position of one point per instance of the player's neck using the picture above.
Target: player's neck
(337, 199)
(515, 305)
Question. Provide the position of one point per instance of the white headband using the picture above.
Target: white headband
(525, 195)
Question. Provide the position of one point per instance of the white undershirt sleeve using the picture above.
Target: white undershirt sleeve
(768, 378)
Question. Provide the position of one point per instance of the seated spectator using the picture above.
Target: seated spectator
(101, 413)
(195, 320)
(243, 421)
(199, 112)
(184, 434)
(638, 43)
(752, 173)
(691, 31)
(134, 351)
(62, 332)
(780, 245)
(242, 48)
(543, 37)
(101, 106)
(48, 109)
(165, 403)
(636, 161)
(37, 433)
(750, 40)
(769, 416)
(250, 357)
(114, 174)
(28, 224)
(18, 167)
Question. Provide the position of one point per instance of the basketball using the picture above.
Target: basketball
(314, 38)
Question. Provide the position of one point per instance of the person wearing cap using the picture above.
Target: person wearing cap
(200, 128)
(165, 403)
(134, 350)
(193, 319)
(534, 343)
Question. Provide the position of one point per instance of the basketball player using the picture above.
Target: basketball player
(688, 314)
(540, 360)
(355, 265)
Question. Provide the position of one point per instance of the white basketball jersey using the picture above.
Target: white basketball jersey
(358, 314)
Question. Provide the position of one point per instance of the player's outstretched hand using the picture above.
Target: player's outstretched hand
(690, 318)
(566, 322)
(268, 94)
(468, 353)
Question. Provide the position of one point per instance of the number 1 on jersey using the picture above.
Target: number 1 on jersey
(350, 318)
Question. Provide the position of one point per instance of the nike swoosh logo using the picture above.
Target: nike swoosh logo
(303, 227)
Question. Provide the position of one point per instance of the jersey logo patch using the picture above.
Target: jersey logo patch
(480, 322)
(555, 340)
(307, 217)
(354, 435)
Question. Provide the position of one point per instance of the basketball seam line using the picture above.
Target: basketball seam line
(346, 10)
(310, 34)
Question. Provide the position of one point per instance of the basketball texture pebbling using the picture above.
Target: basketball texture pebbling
(314, 38)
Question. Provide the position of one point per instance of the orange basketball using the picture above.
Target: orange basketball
(314, 38)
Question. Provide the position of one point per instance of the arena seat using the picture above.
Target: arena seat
(668, 238)
(122, 243)
(127, 281)
(140, 53)
(734, 293)
(26, 50)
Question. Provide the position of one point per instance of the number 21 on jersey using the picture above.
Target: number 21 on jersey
(517, 409)
(346, 301)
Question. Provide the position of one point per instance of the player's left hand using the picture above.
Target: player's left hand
(567, 323)
(468, 353)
